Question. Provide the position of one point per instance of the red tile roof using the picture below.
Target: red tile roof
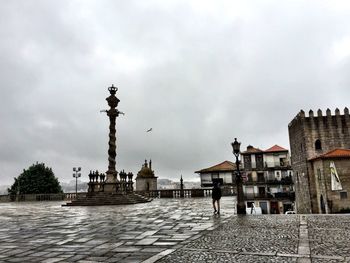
(336, 153)
(251, 149)
(276, 148)
(225, 166)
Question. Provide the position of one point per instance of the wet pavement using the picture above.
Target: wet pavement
(167, 230)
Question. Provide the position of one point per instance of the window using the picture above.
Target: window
(250, 177)
(259, 161)
(214, 175)
(343, 195)
(247, 162)
(282, 161)
(318, 145)
(249, 204)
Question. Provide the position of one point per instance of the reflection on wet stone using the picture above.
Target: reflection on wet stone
(172, 230)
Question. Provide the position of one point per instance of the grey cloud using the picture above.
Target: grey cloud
(197, 77)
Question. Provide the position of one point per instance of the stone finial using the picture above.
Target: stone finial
(150, 164)
(302, 113)
(337, 112)
(328, 112)
(346, 111)
(311, 113)
(319, 113)
(146, 165)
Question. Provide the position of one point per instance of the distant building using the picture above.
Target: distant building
(268, 180)
(315, 142)
(145, 179)
(267, 184)
(222, 172)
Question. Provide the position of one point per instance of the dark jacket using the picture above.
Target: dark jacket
(216, 193)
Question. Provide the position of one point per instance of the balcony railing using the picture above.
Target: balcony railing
(257, 196)
(284, 181)
(265, 165)
(276, 164)
(259, 181)
(279, 195)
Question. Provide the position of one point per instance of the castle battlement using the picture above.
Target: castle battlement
(312, 134)
(301, 116)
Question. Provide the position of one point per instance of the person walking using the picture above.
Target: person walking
(216, 195)
(252, 208)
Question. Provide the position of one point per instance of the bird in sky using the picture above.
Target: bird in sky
(149, 130)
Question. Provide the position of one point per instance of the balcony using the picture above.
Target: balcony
(270, 181)
(250, 181)
(279, 195)
(283, 181)
(253, 166)
(252, 196)
(284, 164)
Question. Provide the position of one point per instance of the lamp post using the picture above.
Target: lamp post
(241, 208)
(76, 175)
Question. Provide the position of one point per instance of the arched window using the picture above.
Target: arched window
(318, 145)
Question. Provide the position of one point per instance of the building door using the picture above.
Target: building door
(263, 206)
(323, 206)
(287, 207)
(261, 177)
(274, 207)
(262, 191)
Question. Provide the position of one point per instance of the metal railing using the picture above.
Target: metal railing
(279, 195)
(260, 165)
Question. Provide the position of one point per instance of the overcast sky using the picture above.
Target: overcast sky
(200, 73)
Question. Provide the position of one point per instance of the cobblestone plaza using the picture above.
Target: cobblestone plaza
(167, 230)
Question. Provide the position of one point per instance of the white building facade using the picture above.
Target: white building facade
(268, 180)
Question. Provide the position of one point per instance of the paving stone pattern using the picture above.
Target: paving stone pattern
(167, 230)
(270, 234)
(47, 232)
(330, 235)
(271, 238)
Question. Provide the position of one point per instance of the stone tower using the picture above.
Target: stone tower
(311, 136)
(145, 179)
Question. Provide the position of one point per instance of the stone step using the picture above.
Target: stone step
(108, 199)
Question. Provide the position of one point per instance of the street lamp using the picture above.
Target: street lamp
(76, 175)
(241, 209)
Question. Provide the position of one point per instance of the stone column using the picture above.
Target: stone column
(181, 187)
(112, 113)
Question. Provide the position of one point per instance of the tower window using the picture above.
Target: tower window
(318, 145)
(343, 195)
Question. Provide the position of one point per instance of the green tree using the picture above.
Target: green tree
(37, 179)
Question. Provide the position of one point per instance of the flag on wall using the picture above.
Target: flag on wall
(335, 180)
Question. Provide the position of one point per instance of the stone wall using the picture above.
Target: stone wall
(343, 169)
(141, 184)
(333, 131)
